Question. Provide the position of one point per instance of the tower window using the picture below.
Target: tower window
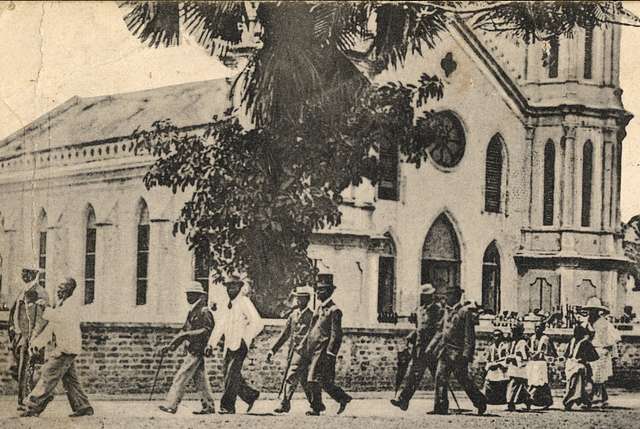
(549, 183)
(587, 169)
(554, 53)
(588, 53)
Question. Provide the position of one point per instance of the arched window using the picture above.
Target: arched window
(42, 247)
(386, 280)
(388, 164)
(554, 54)
(90, 257)
(549, 183)
(588, 53)
(142, 260)
(491, 279)
(493, 176)
(587, 178)
(441, 256)
(201, 265)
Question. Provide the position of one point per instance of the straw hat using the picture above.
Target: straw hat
(594, 303)
(427, 289)
(195, 287)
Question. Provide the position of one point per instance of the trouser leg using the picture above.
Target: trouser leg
(234, 383)
(316, 396)
(180, 380)
(76, 396)
(441, 401)
(52, 372)
(461, 372)
(416, 373)
(202, 385)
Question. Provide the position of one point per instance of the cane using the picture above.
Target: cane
(286, 371)
(155, 379)
(455, 400)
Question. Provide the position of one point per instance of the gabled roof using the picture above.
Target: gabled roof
(91, 119)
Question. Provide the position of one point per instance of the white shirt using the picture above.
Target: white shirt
(240, 322)
(64, 324)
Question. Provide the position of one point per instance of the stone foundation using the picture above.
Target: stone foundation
(119, 359)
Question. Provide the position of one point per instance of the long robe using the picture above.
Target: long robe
(538, 371)
(517, 391)
(578, 355)
(496, 379)
(605, 337)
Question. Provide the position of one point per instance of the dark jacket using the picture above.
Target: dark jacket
(298, 324)
(199, 317)
(325, 333)
(457, 335)
(428, 320)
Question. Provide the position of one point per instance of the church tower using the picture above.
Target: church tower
(571, 248)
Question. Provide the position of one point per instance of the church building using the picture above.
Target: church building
(519, 205)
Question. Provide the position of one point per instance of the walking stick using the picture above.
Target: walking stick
(155, 379)
(286, 371)
(455, 400)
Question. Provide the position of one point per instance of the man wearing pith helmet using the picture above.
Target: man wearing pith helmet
(196, 331)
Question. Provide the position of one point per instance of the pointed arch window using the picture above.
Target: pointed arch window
(386, 281)
(491, 279)
(493, 176)
(588, 53)
(587, 179)
(142, 260)
(549, 183)
(554, 55)
(42, 248)
(441, 256)
(202, 265)
(90, 257)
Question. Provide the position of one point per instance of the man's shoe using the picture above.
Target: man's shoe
(168, 409)
(312, 413)
(205, 411)
(83, 412)
(284, 407)
(30, 413)
(511, 407)
(404, 406)
(250, 404)
(482, 408)
(343, 405)
(225, 411)
(438, 413)
(21, 407)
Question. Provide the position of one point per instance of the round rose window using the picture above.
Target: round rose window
(448, 146)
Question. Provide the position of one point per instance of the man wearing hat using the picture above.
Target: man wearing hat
(295, 330)
(604, 339)
(428, 315)
(196, 331)
(25, 322)
(239, 323)
(454, 351)
(318, 351)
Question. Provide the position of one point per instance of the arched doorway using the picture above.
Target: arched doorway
(441, 256)
(491, 279)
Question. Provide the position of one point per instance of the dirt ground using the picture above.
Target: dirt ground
(363, 412)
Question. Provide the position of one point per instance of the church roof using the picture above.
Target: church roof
(92, 119)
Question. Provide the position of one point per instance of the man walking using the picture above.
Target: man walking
(196, 331)
(63, 332)
(318, 351)
(455, 352)
(239, 323)
(295, 330)
(25, 321)
(428, 316)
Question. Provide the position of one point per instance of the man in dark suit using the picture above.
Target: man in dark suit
(297, 327)
(318, 351)
(454, 352)
(428, 318)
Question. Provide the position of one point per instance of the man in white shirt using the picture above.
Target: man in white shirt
(63, 333)
(239, 323)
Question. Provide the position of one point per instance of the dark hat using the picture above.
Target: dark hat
(233, 280)
(325, 281)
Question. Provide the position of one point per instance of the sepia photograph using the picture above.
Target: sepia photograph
(336, 214)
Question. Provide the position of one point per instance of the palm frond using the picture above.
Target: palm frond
(154, 22)
(215, 25)
(341, 23)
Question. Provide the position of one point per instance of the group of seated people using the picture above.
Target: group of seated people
(518, 372)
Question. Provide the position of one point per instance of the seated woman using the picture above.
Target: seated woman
(496, 380)
(579, 354)
(517, 391)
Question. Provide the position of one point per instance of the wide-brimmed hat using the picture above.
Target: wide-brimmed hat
(427, 289)
(302, 292)
(195, 287)
(594, 303)
(233, 280)
(498, 332)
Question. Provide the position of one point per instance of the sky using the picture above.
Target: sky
(51, 52)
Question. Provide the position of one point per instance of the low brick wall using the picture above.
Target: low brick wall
(119, 359)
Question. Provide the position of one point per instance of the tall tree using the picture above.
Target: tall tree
(316, 120)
